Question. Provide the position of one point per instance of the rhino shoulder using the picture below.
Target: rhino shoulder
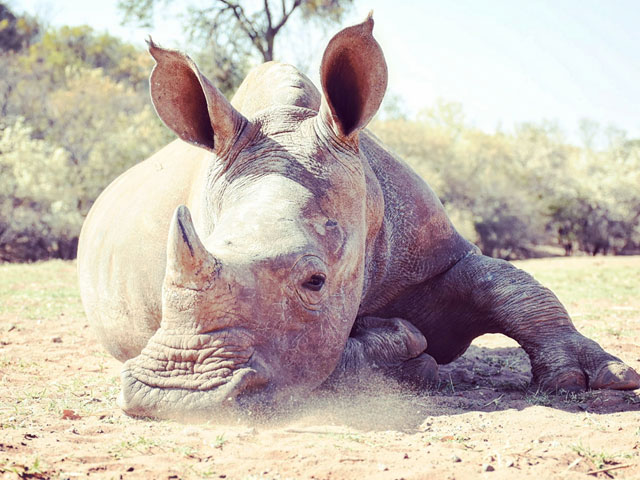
(417, 240)
(122, 246)
(275, 83)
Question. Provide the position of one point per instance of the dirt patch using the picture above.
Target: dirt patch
(58, 417)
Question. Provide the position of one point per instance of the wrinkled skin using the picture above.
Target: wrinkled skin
(278, 246)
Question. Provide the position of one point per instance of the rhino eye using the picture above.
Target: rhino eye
(309, 276)
(314, 283)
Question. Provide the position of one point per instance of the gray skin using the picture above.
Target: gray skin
(278, 246)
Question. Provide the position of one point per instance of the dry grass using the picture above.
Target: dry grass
(58, 418)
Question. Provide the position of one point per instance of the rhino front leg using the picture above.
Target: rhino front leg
(493, 296)
(391, 346)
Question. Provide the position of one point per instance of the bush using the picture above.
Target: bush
(38, 214)
(48, 185)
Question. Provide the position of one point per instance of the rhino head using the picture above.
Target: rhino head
(263, 284)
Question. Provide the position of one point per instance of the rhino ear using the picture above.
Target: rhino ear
(354, 78)
(189, 104)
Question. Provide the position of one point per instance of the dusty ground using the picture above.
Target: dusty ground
(58, 418)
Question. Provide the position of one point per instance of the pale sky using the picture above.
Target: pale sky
(505, 61)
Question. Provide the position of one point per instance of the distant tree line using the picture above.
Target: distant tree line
(75, 113)
(528, 192)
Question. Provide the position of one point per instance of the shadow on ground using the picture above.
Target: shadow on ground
(483, 380)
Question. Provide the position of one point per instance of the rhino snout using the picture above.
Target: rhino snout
(191, 377)
(141, 400)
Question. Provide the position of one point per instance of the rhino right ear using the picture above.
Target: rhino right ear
(189, 104)
(353, 74)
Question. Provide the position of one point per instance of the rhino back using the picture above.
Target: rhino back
(416, 241)
(122, 247)
(273, 83)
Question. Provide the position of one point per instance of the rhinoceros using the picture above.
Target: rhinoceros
(277, 245)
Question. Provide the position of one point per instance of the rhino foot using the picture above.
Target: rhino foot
(579, 365)
(616, 376)
(392, 347)
(420, 373)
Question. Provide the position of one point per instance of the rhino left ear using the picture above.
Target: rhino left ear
(354, 79)
(189, 104)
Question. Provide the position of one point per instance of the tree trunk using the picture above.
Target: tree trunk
(268, 53)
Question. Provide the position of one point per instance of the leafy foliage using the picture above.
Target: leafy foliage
(76, 114)
(38, 218)
(73, 47)
(16, 32)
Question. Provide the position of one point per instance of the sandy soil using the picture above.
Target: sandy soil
(58, 417)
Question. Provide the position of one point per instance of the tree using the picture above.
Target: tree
(74, 114)
(236, 31)
(67, 48)
(38, 218)
(16, 32)
(49, 182)
(52, 64)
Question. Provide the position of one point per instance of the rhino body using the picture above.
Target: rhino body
(278, 245)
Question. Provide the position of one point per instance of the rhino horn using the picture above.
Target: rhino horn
(189, 263)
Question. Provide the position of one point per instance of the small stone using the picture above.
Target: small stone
(56, 339)
(456, 459)
(248, 432)
(487, 468)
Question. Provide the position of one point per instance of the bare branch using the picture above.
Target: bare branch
(244, 27)
(245, 24)
(286, 15)
(268, 13)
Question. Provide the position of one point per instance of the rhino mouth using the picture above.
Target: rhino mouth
(192, 377)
